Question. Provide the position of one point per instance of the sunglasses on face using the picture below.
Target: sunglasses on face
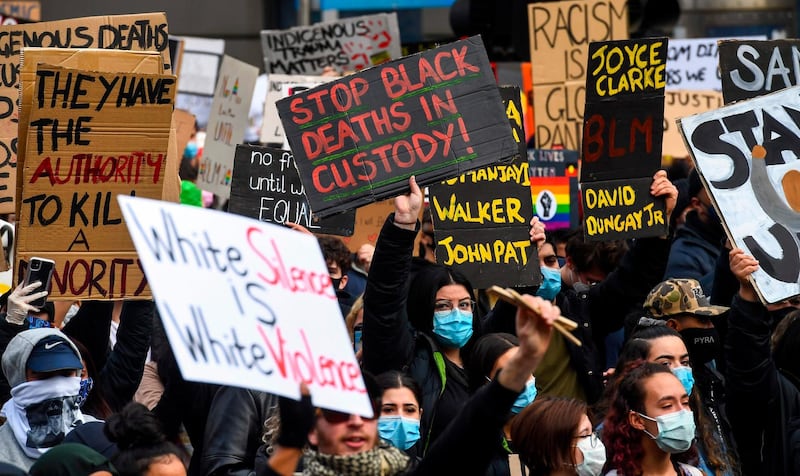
(336, 417)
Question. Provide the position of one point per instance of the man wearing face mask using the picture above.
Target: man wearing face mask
(42, 367)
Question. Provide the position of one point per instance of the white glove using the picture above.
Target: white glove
(19, 303)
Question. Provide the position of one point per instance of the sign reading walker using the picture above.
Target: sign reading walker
(91, 136)
(622, 133)
(282, 323)
(348, 44)
(481, 219)
(746, 154)
(434, 115)
(266, 186)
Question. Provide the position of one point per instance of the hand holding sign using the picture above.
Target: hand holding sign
(662, 186)
(407, 207)
(742, 266)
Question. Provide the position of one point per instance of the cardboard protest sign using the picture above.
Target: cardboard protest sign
(434, 115)
(282, 322)
(369, 221)
(756, 197)
(560, 33)
(681, 103)
(348, 44)
(267, 187)
(753, 68)
(124, 32)
(23, 9)
(481, 219)
(226, 125)
(692, 64)
(197, 78)
(554, 187)
(280, 86)
(186, 126)
(623, 126)
(91, 136)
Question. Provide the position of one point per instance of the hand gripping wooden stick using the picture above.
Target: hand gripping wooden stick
(561, 324)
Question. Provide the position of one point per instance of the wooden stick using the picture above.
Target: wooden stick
(561, 324)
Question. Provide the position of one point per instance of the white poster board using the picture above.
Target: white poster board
(200, 63)
(280, 86)
(692, 64)
(758, 199)
(246, 303)
(227, 125)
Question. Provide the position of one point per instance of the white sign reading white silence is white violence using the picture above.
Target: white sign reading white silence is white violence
(246, 303)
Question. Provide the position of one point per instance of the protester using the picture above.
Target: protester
(551, 271)
(400, 411)
(143, 448)
(763, 370)
(42, 367)
(554, 436)
(349, 444)
(337, 257)
(73, 459)
(354, 322)
(650, 427)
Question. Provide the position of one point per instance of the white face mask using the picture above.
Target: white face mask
(594, 456)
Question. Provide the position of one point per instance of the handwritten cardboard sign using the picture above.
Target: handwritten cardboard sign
(623, 127)
(348, 44)
(755, 197)
(434, 115)
(752, 68)
(91, 136)
(266, 186)
(554, 187)
(197, 79)
(282, 323)
(227, 125)
(280, 86)
(560, 33)
(481, 219)
(681, 103)
(124, 32)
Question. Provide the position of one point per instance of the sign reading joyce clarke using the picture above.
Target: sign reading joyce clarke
(758, 198)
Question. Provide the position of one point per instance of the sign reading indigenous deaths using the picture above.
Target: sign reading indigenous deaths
(348, 44)
(481, 219)
(623, 126)
(282, 322)
(560, 33)
(267, 187)
(434, 114)
(753, 68)
(124, 32)
(554, 187)
(227, 125)
(755, 191)
(91, 136)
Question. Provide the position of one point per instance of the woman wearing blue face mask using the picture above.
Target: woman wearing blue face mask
(400, 411)
(650, 427)
(551, 272)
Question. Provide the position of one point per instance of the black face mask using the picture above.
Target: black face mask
(703, 344)
(336, 282)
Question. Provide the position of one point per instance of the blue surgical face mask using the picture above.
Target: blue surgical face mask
(551, 283)
(525, 398)
(686, 377)
(401, 431)
(86, 387)
(675, 431)
(452, 328)
(357, 340)
(594, 456)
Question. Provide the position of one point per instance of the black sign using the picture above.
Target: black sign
(753, 68)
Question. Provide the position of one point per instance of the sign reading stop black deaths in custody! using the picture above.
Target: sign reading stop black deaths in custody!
(622, 135)
(266, 186)
(434, 115)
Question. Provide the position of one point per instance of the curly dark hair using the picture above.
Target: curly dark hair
(335, 251)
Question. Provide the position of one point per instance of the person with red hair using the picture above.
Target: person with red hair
(650, 428)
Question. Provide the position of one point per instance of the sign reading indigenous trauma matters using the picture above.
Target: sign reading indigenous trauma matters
(125, 32)
(348, 44)
(481, 219)
(554, 187)
(282, 324)
(560, 33)
(266, 186)
(226, 125)
(434, 115)
(746, 155)
(91, 136)
(753, 68)
(623, 126)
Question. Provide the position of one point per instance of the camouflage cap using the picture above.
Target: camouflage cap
(679, 296)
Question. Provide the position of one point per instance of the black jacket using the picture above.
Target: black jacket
(763, 405)
(233, 430)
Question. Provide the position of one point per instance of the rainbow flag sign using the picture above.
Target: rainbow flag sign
(554, 186)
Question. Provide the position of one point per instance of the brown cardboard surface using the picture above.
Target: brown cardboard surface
(136, 32)
(184, 127)
(369, 221)
(559, 114)
(28, 10)
(68, 200)
(682, 103)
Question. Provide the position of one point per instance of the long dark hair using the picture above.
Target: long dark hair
(396, 379)
(96, 404)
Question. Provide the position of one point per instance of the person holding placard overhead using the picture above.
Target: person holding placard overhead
(437, 302)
